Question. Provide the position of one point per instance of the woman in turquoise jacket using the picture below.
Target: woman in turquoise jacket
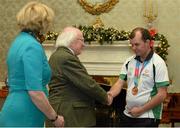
(28, 72)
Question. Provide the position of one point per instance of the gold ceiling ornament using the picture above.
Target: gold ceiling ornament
(98, 23)
(96, 7)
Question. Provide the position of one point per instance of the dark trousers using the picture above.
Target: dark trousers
(126, 121)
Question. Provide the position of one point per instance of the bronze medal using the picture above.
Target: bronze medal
(135, 91)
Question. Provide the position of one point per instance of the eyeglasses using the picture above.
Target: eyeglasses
(81, 39)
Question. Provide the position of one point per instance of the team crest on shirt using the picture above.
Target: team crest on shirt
(146, 73)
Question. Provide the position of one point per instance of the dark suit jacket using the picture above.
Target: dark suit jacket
(72, 91)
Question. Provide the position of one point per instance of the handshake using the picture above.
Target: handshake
(109, 98)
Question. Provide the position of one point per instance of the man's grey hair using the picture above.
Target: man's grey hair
(66, 38)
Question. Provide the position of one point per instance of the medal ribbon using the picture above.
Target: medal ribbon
(137, 74)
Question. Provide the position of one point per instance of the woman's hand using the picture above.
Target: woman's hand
(59, 122)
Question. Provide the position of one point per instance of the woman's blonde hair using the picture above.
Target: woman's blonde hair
(35, 16)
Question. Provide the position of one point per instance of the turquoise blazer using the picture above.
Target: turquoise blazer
(28, 70)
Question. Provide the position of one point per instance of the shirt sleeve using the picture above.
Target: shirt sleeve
(161, 76)
(124, 70)
(33, 62)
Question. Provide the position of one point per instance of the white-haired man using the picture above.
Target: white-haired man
(72, 91)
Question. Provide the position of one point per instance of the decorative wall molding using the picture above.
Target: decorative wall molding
(105, 60)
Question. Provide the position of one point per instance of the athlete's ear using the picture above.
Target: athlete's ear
(151, 43)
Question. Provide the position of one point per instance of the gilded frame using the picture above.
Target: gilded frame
(98, 8)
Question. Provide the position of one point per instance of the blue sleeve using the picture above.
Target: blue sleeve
(33, 62)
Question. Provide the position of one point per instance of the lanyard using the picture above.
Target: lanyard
(137, 73)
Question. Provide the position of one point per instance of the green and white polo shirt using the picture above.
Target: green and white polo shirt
(146, 87)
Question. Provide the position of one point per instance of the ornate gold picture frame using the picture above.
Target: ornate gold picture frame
(96, 8)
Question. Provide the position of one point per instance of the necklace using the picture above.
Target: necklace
(137, 75)
(39, 37)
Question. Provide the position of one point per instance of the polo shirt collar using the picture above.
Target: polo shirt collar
(147, 58)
